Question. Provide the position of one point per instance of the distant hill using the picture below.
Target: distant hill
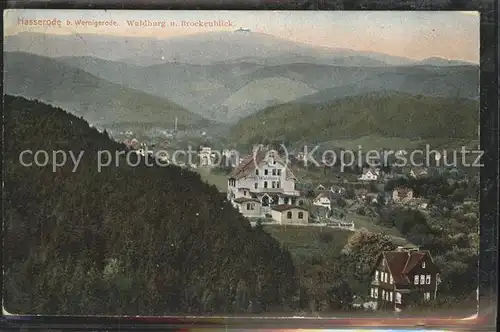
(143, 240)
(435, 61)
(389, 114)
(217, 91)
(262, 93)
(454, 81)
(84, 94)
(203, 48)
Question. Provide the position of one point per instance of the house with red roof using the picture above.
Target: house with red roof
(265, 178)
(403, 277)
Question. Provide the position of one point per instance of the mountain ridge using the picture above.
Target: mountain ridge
(388, 114)
(90, 96)
(114, 47)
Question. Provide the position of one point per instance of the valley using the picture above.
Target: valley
(213, 238)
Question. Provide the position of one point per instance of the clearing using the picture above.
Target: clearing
(217, 179)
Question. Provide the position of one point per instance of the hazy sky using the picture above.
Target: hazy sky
(413, 34)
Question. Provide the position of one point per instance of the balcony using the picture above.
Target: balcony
(277, 191)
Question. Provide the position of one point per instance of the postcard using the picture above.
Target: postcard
(241, 163)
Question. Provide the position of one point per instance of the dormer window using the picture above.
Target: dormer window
(423, 265)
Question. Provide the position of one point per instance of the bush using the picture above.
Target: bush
(361, 211)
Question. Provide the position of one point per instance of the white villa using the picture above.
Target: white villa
(370, 174)
(261, 181)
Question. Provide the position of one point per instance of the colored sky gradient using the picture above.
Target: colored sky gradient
(412, 34)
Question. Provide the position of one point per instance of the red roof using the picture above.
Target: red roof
(248, 165)
(284, 207)
(400, 263)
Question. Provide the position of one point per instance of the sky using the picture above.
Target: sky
(412, 34)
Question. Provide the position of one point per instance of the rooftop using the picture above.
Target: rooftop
(284, 207)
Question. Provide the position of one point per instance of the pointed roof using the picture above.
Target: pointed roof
(248, 165)
(400, 263)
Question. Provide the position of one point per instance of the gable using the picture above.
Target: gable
(414, 265)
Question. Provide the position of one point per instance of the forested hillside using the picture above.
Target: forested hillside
(127, 240)
(386, 114)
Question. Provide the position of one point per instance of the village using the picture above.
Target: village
(266, 189)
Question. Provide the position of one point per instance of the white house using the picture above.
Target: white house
(369, 174)
(290, 214)
(265, 177)
(249, 207)
(323, 200)
(337, 190)
(401, 194)
(418, 172)
(205, 155)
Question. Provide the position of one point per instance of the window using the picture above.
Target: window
(273, 184)
(278, 184)
(423, 265)
(244, 192)
(265, 172)
(256, 172)
(427, 296)
(274, 171)
(416, 280)
(301, 215)
(256, 185)
(278, 172)
(376, 275)
(265, 184)
(422, 279)
(383, 294)
(381, 276)
(289, 214)
(385, 276)
(390, 296)
(428, 279)
(250, 206)
(372, 292)
(391, 280)
(376, 293)
(398, 298)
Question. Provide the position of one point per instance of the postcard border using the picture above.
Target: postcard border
(486, 317)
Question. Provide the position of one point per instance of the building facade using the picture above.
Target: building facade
(265, 177)
(404, 277)
(290, 214)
